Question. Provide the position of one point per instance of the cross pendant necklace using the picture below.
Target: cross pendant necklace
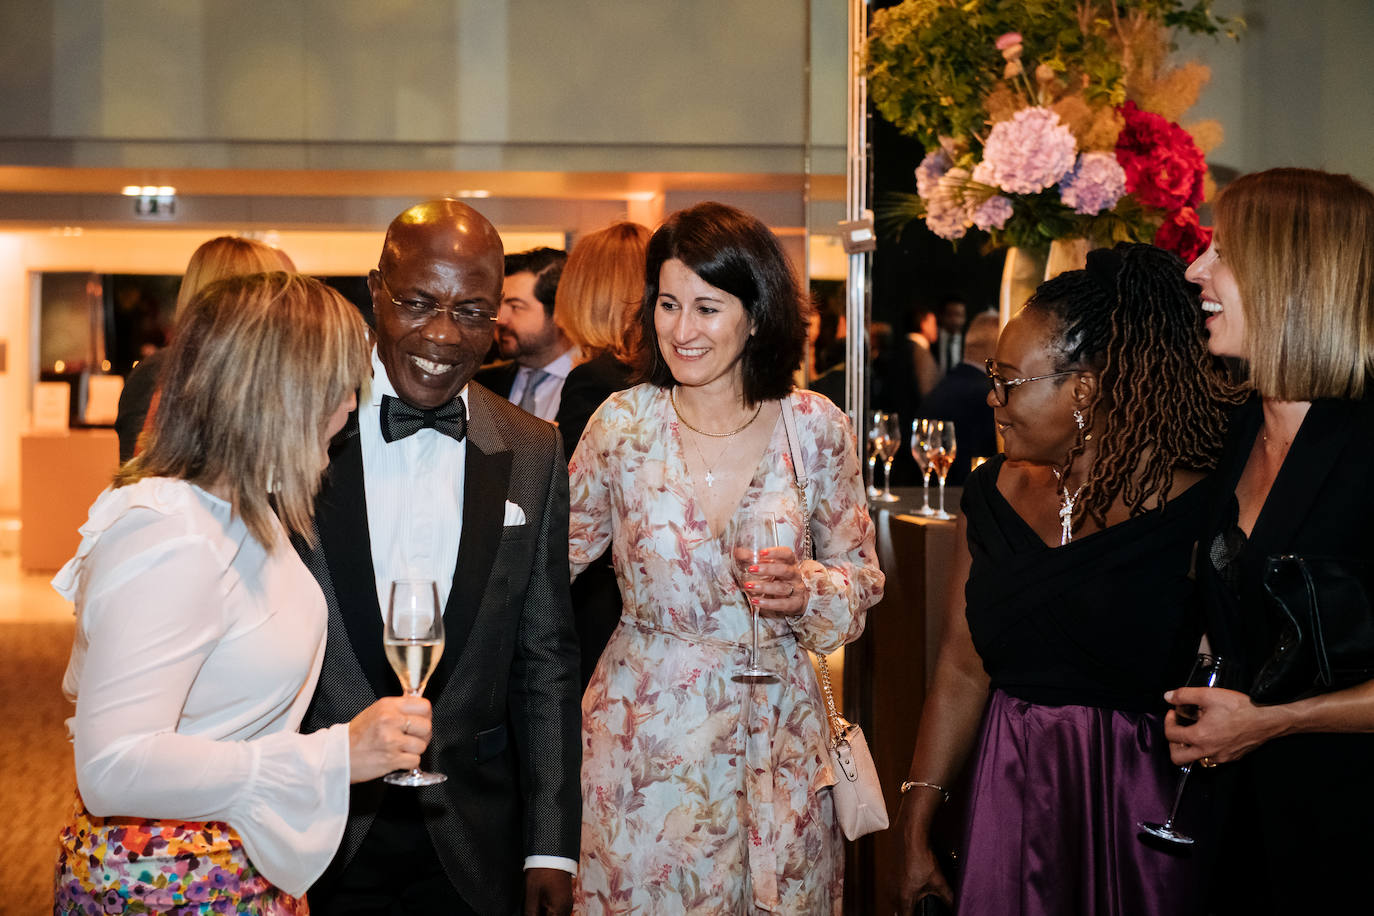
(710, 478)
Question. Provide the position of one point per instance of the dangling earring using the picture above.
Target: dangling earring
(1078, 418)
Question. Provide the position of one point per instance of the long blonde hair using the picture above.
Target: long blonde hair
(228, 256)
(598, 296)
(256, 367)
(1300, 243)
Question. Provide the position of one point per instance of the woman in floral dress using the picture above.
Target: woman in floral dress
(704, 793)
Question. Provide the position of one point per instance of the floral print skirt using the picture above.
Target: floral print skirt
(137, 865)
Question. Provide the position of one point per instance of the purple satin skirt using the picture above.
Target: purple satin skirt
(1051, 824)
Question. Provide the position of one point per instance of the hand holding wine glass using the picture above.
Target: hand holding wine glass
(751, 535)
(1207, 672)
(414, 641)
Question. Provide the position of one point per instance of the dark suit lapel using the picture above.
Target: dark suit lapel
(342, 524)
(1323, 436)
(486, 480)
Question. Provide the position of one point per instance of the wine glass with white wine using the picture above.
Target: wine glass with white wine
(920, 436)
(414, 640)
(940, 450)
(875, 434)
(892, 442)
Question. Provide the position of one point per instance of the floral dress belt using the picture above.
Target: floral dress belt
(759, 831)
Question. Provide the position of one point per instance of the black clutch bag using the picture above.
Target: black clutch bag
(1326, 629)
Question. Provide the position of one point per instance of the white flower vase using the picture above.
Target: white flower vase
(1027, 268)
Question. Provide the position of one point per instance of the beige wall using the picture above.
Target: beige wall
(608, 85)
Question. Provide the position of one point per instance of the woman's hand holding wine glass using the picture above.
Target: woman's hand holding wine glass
(414, 640)
(1206, 675)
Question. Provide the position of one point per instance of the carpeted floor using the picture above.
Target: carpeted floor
(37, 784)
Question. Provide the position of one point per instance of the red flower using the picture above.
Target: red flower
(1164, 167)
(1182, 234)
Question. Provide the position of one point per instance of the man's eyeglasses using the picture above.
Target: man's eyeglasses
(1001, 387)
(426, 309)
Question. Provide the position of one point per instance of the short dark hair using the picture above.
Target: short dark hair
(737, 253)
(547, 266)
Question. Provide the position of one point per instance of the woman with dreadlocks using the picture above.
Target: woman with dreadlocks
(1077, 611)
(1288, 287)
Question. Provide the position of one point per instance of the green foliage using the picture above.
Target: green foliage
(932, 63)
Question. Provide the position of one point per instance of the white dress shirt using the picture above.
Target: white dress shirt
(414, 489)
(195, 656)
(550, 391)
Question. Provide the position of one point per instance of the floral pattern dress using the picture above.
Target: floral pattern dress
(701, 793)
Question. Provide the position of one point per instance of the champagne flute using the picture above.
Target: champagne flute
(414, 640)
(920, 435)
(751, 534)
(875, 435)
(1207, 672)
(940, 448)
(892, 441)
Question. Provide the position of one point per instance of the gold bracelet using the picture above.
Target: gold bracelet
(916, 783)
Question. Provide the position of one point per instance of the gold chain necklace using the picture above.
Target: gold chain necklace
(672, 399)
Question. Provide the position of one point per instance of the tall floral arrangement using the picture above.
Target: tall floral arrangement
(1048, 119)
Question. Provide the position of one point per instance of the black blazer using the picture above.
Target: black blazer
(499, 377)
(1297, 835)
(507, 720)
(586, 387)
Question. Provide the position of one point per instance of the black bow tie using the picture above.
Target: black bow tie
(399, 419)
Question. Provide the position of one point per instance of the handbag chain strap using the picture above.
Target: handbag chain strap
(839, 726)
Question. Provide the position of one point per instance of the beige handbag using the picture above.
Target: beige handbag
(857, 793)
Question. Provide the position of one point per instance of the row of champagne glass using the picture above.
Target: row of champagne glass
(933, 445)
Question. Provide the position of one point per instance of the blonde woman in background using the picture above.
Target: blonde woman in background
(200, 632)
(597, 306)
(226, 256)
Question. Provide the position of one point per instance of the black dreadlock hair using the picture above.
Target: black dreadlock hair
(1133, 317)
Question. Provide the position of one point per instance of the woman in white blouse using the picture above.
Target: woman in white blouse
(200, 633)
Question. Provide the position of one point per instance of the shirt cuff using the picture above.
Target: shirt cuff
(558, 862)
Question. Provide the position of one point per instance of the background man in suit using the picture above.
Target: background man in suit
(540, 354)
(962, 396)
(440, 479)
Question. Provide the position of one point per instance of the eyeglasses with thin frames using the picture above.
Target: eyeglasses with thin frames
(427, 309)
(1002, 387)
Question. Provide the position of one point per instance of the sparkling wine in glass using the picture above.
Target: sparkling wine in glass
(1207, 672)
(414, 640)
(875, 437)
(940, 448)
(892, 441)
(920, 435)
(751, 534)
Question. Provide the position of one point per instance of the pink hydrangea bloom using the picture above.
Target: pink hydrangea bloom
(1028, 153)
(1095, 184)
(946, 214)
(929, 172)
(992, 213)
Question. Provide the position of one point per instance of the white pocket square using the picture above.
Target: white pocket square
(514, 515)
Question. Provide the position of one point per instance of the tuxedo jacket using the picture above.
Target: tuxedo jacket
(505, 695)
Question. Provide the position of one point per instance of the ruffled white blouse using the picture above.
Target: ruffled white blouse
(196, 654)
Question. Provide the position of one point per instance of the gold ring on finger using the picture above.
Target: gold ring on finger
(1207, 762)
(405, 728)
